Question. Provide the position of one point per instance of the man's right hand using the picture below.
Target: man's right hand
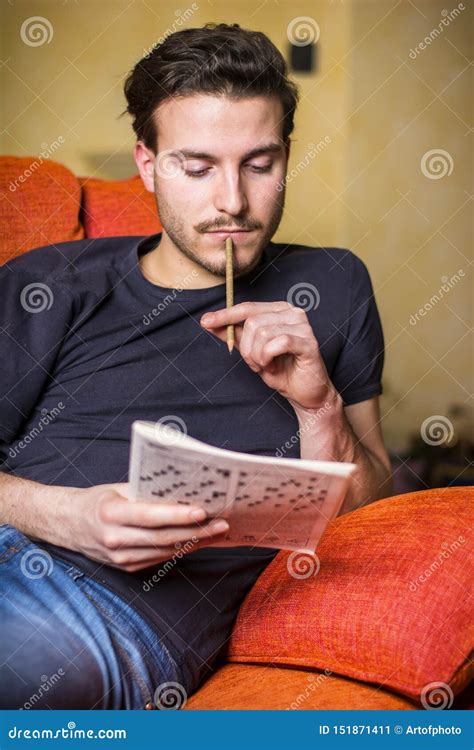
(132, 535)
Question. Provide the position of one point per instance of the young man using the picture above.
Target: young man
(112, 604)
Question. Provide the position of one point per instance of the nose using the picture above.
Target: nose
(230, 197)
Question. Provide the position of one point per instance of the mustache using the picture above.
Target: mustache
(249, 224)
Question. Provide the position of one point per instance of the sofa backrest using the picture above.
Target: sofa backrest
(43, 202)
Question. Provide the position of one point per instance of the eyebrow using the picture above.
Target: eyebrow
(190, 154)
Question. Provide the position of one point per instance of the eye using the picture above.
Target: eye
(197, 172)
(260, 169)
(196, 167)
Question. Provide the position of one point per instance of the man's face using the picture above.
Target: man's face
(220, 166)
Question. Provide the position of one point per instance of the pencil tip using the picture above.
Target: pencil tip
(230, 346)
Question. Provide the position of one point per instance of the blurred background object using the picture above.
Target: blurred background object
(381, 163)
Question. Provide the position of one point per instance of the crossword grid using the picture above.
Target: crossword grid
(261, 511)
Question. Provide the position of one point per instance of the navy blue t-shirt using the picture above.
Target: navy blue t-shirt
(88, 345)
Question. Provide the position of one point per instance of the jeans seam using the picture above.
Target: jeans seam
(109, 617)
(144, 689)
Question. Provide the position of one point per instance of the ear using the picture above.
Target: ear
(145, 161)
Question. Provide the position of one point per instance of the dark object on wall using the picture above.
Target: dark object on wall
(303, 58)
(439, 459)
(412, 473)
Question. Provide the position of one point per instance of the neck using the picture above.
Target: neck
(167, 266)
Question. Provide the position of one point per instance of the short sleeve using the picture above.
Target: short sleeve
(35, 317)
(357, 374)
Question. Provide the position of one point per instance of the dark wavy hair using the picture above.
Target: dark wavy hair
(216, 59)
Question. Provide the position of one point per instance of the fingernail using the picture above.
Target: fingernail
(198, 514)
(220, 526)
(207, 318)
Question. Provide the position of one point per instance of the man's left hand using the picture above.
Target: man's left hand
(276, 340)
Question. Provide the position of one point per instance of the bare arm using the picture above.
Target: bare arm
(352, 434)
(102, 524)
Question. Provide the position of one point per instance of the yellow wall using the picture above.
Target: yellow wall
(365, 190)
(413, 231)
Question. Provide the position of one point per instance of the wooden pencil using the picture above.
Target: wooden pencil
(229, 280)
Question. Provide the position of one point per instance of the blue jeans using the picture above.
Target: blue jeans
(69, 642)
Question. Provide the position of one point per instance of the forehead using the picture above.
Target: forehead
(218, 124)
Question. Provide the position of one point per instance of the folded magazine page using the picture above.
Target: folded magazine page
(268, 502)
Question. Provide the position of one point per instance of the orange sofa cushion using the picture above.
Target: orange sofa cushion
(252, 686)
(391, 603)
(39, 205)
(115, 208)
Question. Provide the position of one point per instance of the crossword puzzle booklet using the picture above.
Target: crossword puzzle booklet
(284, 503)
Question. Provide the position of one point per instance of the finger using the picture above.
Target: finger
(142, 557)
(130, 536)
(136, 558)
(285, 344)
(150, 515)
(245, 332)
(255, 337)
(289, 315)
(221, 334)
(239, 313)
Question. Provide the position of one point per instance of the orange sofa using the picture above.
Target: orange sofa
(384, 620)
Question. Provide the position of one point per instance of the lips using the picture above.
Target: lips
(237, 236)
